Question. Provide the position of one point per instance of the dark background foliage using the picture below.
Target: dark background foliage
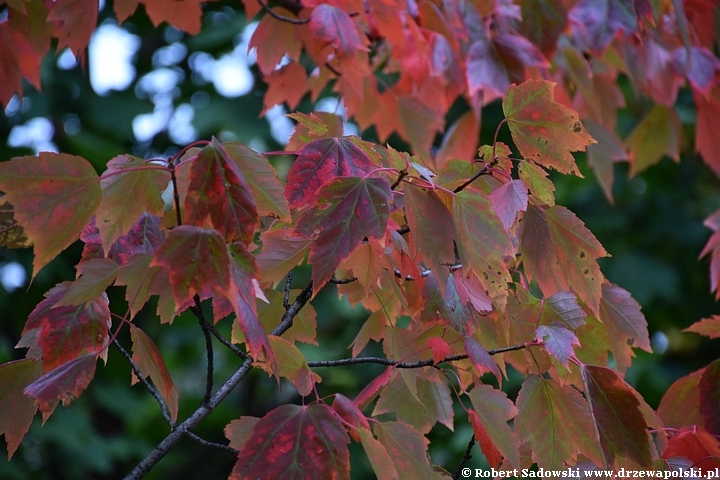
(654, 233)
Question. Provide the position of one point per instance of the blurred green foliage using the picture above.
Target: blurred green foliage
(654, 233)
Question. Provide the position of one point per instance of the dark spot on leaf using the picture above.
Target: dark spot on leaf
(582, 254)
(586, 271)
(485, 275)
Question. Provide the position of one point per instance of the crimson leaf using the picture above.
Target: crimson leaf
(347, 210)
(312, 440)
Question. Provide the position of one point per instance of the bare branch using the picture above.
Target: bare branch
(219, 446)
(153, 392)
(465, 458)
(282, 18)
(197, 310)
(228, 386)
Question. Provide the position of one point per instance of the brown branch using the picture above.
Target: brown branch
(196, 309)
(159, 452)
(282, 18)
(204, 442)
(465, 458)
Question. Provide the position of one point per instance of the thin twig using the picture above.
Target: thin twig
(398, 364)
(153, 392)
(403, 174)
(226, 342)
(282, 18)
(286, 290)
(484, 171)
(161, 449)
(342, 281)
(197, 310)
(219, 446)
(465, 458)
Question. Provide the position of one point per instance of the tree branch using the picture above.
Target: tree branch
(219, 446)
(397, 364)
(282, 18)
(205, 409)
(197, 310)
(226, 342)
(153, 392)
(464, 459)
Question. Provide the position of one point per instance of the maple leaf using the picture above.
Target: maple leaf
(333, 26)
(128, 195)
(408, 450)
(554, 418)
(144, 237)
(195, 258)
(11, 234)
(493, 410)
(709, 402)
(709, 327)
(616, 412)
(30, 34)
(95, 276)
(559, 252)
(64, 383)
(483, 242)
(558, 341)
(149, 361)
(351, 414)
(67, 331)
(537, 182)
(708, 122)
(76, 20)
(240, 431)
(543, 23)
(432, 230)
(17, 409)
(508, 200)
(460, 140)
(603, 155)
(562, 306)
(680, 405)
(544, 130)
(625, 323)
(378, 456)
(282, 251)
(53, 195)
(218, 190)
(698, 446)
(320, 161)
(10, 74)
(488, 448)
(184, 15)
(480, 358)
(658, 134)
(312, 439)
(596, 23)
(371, 390)
(262, 178)
(273, 39)
(284, 87)
(347, 210)
(291, 364)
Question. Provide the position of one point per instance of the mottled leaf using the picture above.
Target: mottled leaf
(333, 26)
(554, 418)
(130, 187)
(17, 410)
(494, 409)
(347, 210)
(282, 251)
(144, 237)
(560, 253)
(291, 364)
(12, 235)
(408, 449)
(312, 441)
(273, 39)
(483, 242)
(261, 177)
(680, 405)
(625, 323)
(149, 361)
(620, 423)
(219, 193)
(378, 456)
(320, 161)
(68, 331)
(53, 195)
(65, 383)
(537, 182)
(544, 130)
(563, 306)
